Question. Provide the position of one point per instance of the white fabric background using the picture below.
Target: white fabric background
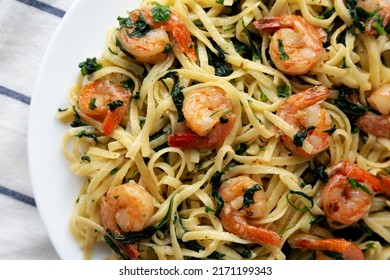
(26, 28)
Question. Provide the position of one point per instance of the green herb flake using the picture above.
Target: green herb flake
(86, 158)
(92, 104)
(167, 48)
(208, 209)
(242, 149)
(216, 184)
(282, 54)
(176, 93)
(283, 91)
(255, 49)
(128, 84)
(113, 171)
(161, 13)
(356, 185)
(300, 136)
(83, 133)
(249, 194)
(223, 120)
(77, 120)
(136, 95)
(89, 66)
(330, 130)
(198, 23)
(141, 27)
(308, 197)
(114, 104)
(321, 174)
(126, 22)
(370, 245)
(222, 69)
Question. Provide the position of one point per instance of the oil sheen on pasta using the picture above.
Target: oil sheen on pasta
(235, 129)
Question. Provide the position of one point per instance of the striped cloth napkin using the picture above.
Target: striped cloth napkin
(26, 27)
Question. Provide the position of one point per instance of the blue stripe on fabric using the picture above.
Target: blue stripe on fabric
(44, 7)
(17, 196)
(15, 95)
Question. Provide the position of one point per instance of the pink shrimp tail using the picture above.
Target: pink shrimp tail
(181, 35)
(349, 250)
(236, 224)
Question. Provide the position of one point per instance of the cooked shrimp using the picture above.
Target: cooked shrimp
(104, 101)
(347, 196)
(380, 99)
(147, 38)
(302, 110)
(126, 208)
(372, 123)
(339, 248)
(208, 113)
(296, 45)
(234, 213)
(371, 6)
(377, 125)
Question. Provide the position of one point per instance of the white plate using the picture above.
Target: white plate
(81, 34)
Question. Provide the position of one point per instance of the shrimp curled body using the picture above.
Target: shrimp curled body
(234, 215)
(94, 101)
(126, 208)
(208, 113)
(150, 45)
(347, 196)
(296, 46)
(346, 249)
(302, 110)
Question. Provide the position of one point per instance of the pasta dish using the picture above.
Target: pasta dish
(235, 129)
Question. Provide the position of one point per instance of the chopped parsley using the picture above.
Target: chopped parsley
(126, 22)
(255, 49)
(86, 158)
(84, 133)
(141, 27)
(282, 54)
(320, 174)
(89, 66)
(128, 84)
(249, 193)
(283, 91)
(176, 93)
(114, 104)
(161, 13)
(300, 136)
(167, 48)
(352, 110)
(330, 130)
(92, 103)
(216, 184)
(356, 185)
(222, 69)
